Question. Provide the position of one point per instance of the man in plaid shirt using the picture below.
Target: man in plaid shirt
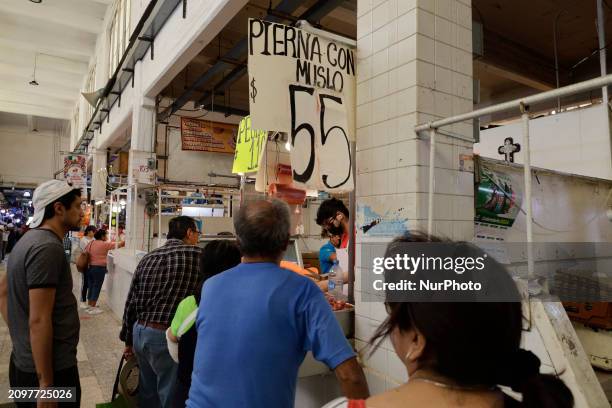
(163, 278)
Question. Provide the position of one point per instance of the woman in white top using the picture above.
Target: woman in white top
(88, 236)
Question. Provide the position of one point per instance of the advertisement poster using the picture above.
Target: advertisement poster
(206, 136)
(498, 197)
(310, 95)
(75, 171)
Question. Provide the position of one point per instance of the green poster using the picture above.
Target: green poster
(498, 200)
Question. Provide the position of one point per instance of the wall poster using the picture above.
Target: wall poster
(310, 95)
(75, 171)
(207, 136)
(498, 197)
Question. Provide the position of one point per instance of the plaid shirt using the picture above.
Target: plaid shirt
(163, 278)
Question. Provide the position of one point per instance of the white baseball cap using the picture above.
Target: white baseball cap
(45, 194)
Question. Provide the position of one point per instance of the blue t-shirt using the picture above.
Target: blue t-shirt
(324, 253)
(255, 324)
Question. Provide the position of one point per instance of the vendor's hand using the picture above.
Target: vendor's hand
(128, 352)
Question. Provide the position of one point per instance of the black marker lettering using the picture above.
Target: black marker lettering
(303, 44)
(290, 40)
(275, 42)
(350, 57)
(267, 25)
(302, 71)
(252, 23)
(316, 49)
(329, 54)
(335, 87)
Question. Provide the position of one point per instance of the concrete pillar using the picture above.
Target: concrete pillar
(142, 147)
(414, 64)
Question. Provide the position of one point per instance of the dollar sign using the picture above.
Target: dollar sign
(253, 90)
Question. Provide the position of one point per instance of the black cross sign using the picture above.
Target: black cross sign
(508, 149)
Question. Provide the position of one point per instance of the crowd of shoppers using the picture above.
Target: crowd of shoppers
(243, 324)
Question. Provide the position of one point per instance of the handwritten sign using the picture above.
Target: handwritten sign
(310, 95)
(206, 136)
(250, 145)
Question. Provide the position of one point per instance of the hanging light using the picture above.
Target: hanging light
(33, 81)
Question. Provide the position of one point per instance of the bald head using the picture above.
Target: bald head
(263, 228)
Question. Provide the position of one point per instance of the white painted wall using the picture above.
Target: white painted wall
(28, 157)
(575, 142)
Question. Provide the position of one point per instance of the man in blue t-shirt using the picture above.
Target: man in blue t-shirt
(327, 253)
(256, 322)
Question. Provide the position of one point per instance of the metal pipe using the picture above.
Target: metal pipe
(601, 34)
(516, 103)
(159, 216)
(555, 33)
(110, 213)
(430, 194)
(528, 193)
(351, 231)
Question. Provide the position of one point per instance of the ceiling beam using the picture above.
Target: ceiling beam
(43, 76)
(519, 63)
(503, 72)
(47, 40)
(18, 85)
(53, 12)
(25, 58)
(34, 109)
(26, 97)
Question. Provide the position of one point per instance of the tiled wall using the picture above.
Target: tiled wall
(414, 64)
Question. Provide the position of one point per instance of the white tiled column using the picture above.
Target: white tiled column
(414, 64)
(141, 146)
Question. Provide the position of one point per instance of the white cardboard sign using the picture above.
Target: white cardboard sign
(304, 85)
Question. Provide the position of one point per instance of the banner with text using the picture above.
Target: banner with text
(207, 136)
(75, 171)
(310, 95)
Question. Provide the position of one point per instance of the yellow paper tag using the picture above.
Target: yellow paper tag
(250, 145)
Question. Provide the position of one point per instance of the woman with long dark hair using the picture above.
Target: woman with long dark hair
(217, 256)
(458, 354)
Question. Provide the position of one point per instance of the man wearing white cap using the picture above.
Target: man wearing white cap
(36, 295)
